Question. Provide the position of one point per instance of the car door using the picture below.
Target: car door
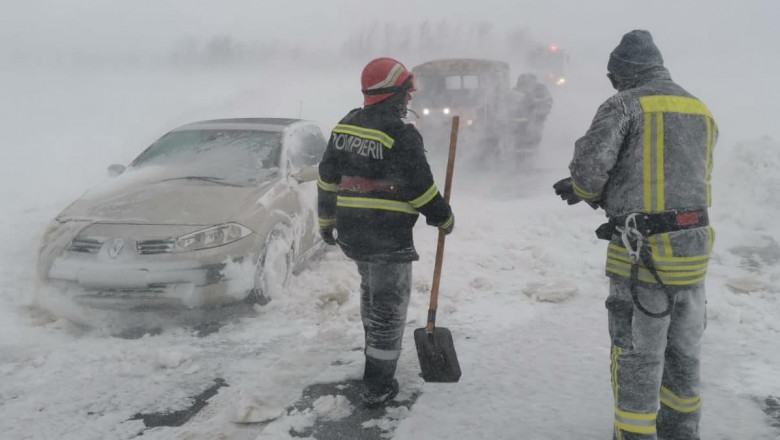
(304, 149)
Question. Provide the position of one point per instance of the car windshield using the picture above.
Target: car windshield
(238, 156)
(450, 90)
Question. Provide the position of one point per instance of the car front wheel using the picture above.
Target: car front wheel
(274, 266)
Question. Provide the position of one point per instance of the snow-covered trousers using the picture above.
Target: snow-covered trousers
(384, 299)
(655, 362)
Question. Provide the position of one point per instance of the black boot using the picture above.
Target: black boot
(380, 385)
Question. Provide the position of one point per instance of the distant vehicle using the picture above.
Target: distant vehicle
(493, 116)
(470, 88)
(212, 212)
(549, 63)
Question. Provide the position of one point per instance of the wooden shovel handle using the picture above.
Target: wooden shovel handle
(440, 247)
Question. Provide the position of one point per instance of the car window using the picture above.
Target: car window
(237, 155)
(306, 147)
(452, 82)
(470, 81)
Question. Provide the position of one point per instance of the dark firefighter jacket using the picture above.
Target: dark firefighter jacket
(374, 182)
(649, 150)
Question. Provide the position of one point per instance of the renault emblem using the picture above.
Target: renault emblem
(116, 247)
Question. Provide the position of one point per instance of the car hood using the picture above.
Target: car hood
(180, 202)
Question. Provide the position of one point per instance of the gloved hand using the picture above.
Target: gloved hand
(327, 235)
(595, 204)
(565, 189)
(450, 226)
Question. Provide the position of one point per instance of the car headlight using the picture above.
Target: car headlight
(426, 111)
(211, 237)
(446, 110)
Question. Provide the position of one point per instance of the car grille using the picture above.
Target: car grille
(86, 245)
(152, 247)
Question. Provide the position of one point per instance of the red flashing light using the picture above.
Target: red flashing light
(553, 48)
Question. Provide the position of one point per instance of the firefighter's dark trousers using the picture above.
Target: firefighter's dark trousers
(384, 299)
(655, 363)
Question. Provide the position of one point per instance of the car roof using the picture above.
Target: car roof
(264, 124)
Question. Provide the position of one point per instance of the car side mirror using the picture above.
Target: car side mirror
(115, 170)
(306, 173)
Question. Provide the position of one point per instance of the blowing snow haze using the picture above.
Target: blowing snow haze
(725, 47)
(89, 83)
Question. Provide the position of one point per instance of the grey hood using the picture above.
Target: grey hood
(635, 61)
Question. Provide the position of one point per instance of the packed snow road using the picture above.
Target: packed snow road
(522, 292)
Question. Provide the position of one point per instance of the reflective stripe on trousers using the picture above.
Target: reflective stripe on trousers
(655, 363)
(384, 299)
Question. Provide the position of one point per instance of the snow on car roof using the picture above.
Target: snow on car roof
(265, 124)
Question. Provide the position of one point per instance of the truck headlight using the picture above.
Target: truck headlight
(426, 111)
(446, 110)
(211, 237)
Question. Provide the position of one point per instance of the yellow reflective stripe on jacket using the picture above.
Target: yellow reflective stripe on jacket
(679, 404)
(584, 194)
(674, 271)
(711, 129)
(447, 224)
(653, 108)
(426, 197)
(329, 187)
(370, 203)
(662, 259)
(653, 162)
(366, 133)
(673, 104)
(325, 222)
(644, 275)
(664, 248)
(636, 423)
(670, 265)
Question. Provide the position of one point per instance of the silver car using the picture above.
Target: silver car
(213, 212)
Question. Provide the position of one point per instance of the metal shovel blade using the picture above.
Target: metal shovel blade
(436, 352)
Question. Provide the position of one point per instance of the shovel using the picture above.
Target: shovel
(435, 350)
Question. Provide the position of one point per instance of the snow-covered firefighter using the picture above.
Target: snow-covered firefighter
(374, 182)
(647, 160)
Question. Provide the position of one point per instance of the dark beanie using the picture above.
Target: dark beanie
(635, 54)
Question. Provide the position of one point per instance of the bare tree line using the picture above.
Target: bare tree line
(428, 40)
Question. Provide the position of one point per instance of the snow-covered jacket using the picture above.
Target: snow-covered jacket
(374, 182)
(649, 150)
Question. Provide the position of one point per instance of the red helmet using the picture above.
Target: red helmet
(382, 78)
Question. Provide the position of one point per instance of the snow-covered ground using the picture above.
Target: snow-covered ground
(522, 288)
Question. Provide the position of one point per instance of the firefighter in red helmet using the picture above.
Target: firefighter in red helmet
(374, 182)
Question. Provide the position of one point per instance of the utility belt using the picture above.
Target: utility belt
(657, 223)
(363, 184)
(634, 229)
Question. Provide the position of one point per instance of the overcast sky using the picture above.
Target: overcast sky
(723, 26)
(725, 51)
